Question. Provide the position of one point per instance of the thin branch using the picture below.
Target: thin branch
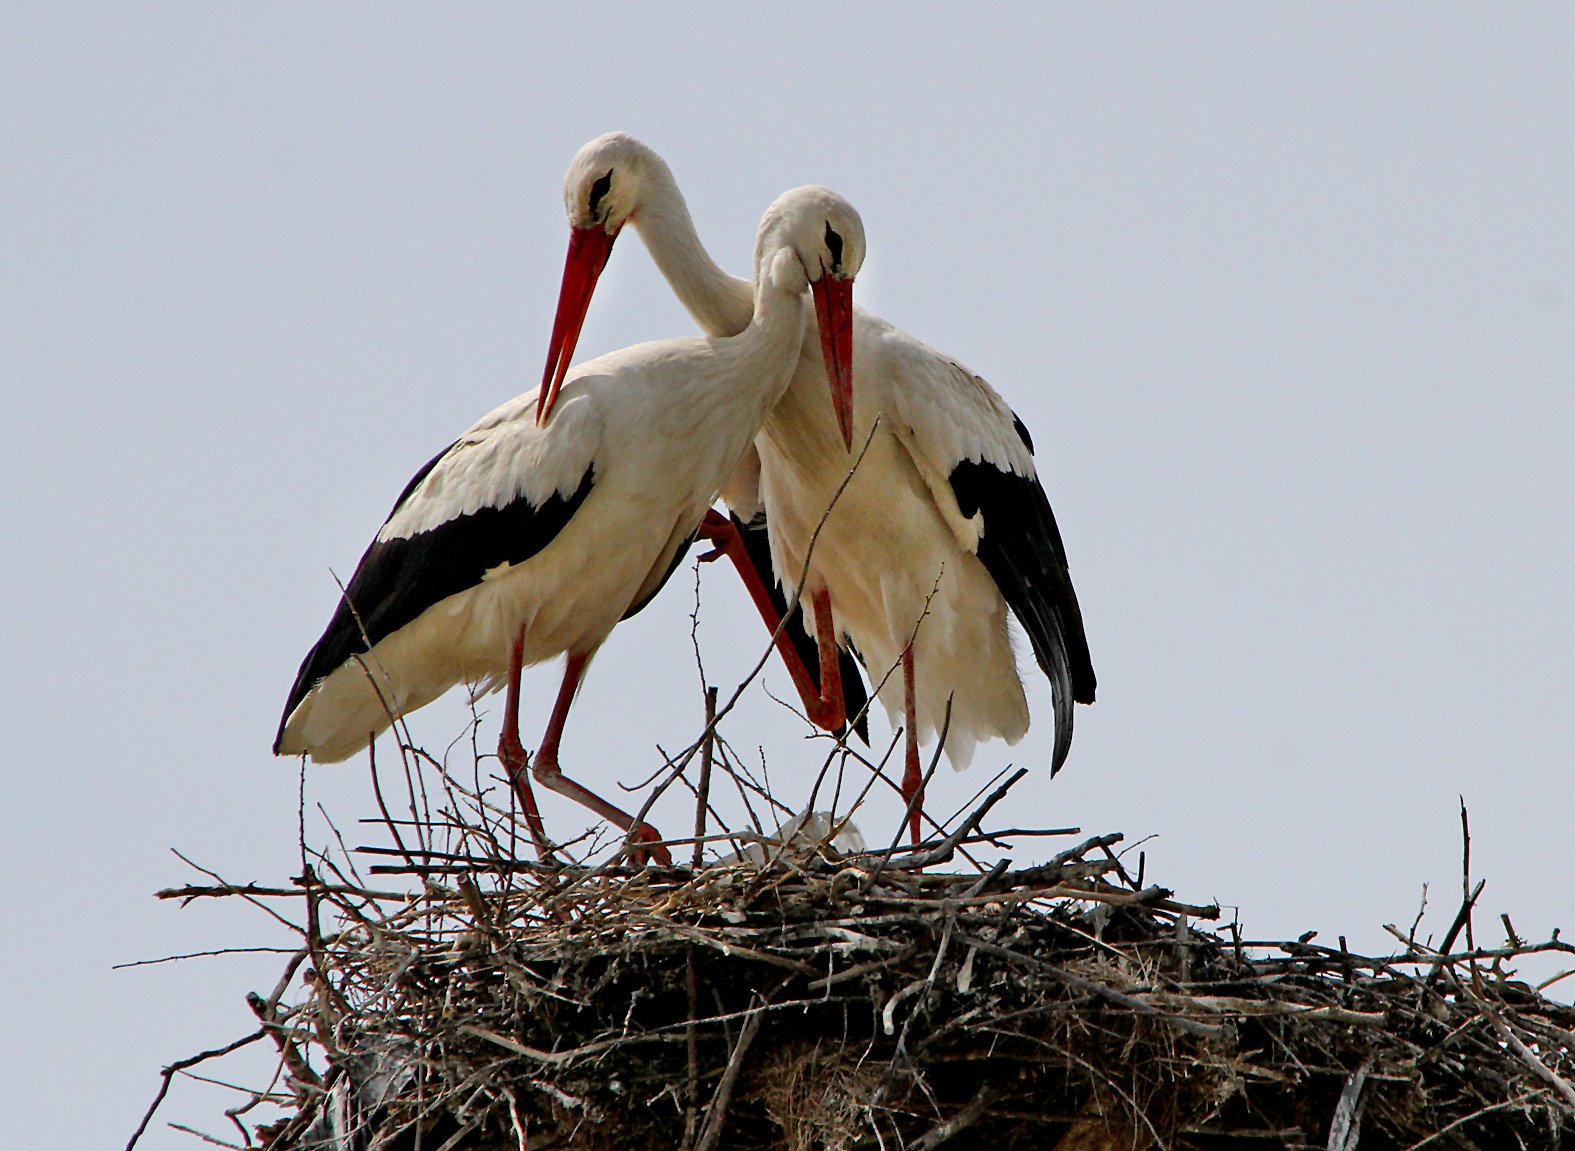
(180, 1065)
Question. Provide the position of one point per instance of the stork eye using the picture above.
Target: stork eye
(834, 243)
(599, 189)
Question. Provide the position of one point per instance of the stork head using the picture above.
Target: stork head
(606, 180)
(826, 234)
(603, 188)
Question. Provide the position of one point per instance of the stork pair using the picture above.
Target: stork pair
(566, 509)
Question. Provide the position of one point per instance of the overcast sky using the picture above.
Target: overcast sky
(1285, 295)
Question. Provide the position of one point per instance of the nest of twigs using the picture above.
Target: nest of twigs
(446, 995)
(812, 999)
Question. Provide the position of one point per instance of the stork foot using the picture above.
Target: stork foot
(719, 531)
(642, 835)
(645, 839)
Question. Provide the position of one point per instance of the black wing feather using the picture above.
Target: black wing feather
(854, 694)
(1021, 549)
(399, 579)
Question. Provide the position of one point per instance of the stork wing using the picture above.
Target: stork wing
(496, 496)
(1021, 549)
(977, 458)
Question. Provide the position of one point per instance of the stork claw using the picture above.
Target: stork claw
(641, 854)
(716, 529)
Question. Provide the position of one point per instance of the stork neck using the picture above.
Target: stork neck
(721, 304)
(781, 311)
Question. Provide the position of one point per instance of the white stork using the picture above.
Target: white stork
(520, 541)
(943, 527)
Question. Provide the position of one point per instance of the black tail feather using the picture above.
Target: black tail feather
(1022, 550)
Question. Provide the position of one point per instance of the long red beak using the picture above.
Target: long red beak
(834, 314)
(589, 248)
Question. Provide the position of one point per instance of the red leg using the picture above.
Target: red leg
(823, 704)
(912, 779)
(512, 753)
(830, 660)
(548, 774)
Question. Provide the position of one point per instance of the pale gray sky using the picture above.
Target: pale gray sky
(1286, 296)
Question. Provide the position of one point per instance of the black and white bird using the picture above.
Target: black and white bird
(943, 528)
(831, 699)
(527, 539)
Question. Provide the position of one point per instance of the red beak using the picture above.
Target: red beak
(834, 314)
(589, 248)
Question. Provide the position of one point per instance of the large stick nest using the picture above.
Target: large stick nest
(794, 995)
(809, 999)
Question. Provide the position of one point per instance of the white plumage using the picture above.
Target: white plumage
(944, 521)
(520, 541)
(896, 546)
